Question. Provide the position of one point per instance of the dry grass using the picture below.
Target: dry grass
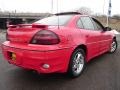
(113, 23)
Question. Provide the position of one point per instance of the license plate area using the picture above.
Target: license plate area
(12, 56)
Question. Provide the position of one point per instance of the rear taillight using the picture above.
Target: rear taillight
(45, 37)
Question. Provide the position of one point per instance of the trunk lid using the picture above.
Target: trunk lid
(23, 33)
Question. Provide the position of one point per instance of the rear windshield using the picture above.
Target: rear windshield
(55, 20)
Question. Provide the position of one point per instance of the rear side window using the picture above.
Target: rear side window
(79, 24)
(87, 23)
(56, 20)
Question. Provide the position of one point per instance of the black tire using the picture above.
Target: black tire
(71, 72)
(116, 45)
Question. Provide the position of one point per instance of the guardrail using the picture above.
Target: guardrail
(23, 15)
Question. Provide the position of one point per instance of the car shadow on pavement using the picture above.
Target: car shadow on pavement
(30, 80)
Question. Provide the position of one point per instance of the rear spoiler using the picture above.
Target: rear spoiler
(29, 25)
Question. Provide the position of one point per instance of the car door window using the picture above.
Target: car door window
(97, 24)
(87, 23)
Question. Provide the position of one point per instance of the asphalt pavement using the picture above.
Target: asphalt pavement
(102, 73)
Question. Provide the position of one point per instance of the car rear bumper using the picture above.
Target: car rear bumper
(34, 59)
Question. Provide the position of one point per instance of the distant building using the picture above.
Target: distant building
(7, 18)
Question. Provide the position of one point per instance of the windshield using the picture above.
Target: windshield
(55, 20)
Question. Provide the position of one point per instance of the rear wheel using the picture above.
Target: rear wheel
(77, 63)
(113, 47)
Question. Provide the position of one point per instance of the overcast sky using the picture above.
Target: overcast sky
(97, 6)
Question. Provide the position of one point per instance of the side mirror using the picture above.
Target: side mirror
(107, 29)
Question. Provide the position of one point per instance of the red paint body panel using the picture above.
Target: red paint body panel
(33, 56)
(33, 59)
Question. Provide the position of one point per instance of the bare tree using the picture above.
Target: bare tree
(84, 10)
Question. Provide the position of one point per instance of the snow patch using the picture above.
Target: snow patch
(115, 31)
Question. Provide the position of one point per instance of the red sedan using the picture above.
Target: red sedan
(62, 43)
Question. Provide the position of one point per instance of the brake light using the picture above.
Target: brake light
(12, 26)
(45, 37)
(39, 26)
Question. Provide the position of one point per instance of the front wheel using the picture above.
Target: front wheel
(113, 46)
(77, 63)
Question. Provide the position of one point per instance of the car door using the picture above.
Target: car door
(91, 36)
(105, 39)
